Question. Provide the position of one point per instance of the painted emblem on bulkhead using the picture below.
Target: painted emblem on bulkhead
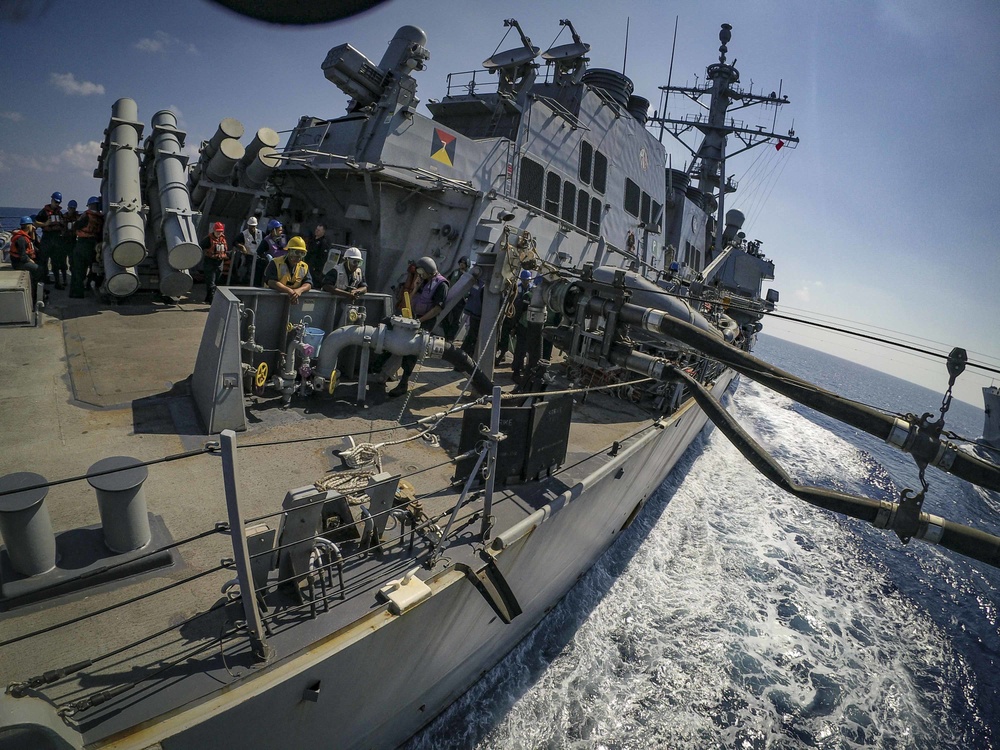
(443, 147)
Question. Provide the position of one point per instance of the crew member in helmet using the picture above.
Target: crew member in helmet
(51, 221)
(272, 247)
(24, 254)
(246, 245)
(216, 250)
(289, 273)
(68, 239)
(431, 293)
(345, 281)
(89, 229)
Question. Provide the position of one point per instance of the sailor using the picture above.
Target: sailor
(427, 304)
(68, 238)
(318, 249)
(88, 229)
(474, 315)
(289, 273)
(23, 254)
(453, 320)
(345, 281)
(50, 220)
(216, 250)
(272, 247)
(514, 313)
(246, 245)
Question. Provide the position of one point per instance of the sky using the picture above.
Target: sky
(882, 218)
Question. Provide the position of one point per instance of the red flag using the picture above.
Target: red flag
(778, 145)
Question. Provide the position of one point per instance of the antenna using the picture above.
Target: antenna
(670, 75)
(625, 59)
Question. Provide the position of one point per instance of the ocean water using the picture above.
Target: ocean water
(732, 615)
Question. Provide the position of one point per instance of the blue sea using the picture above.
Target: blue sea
(732, 615)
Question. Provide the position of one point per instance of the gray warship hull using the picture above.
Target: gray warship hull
(393, 573)
(384, 677)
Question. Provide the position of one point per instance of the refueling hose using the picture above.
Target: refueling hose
(957, 537)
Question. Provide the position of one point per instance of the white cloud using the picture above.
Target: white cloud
(68, 84)
(12, 116)
(20, 162)
(81, 155)
(161, 41)
(801, 294)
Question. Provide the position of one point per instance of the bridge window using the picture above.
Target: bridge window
(553, 191)
(595, 215)
(569, 201)
(532, 177)
(644, 211)
(632, 194)
(600, 172)
(586, 161)
(582, 204)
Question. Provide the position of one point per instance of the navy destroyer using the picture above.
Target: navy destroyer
(284, 556)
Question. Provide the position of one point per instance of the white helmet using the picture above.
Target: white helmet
(352, 253)
(252, 221)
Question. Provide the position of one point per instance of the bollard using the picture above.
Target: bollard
(25, 524)
(122, 503)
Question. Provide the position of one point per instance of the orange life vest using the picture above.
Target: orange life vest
(94, 227)
(15, 253)
(218, 249)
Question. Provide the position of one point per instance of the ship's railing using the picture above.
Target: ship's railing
(471, 83)
(476, 82)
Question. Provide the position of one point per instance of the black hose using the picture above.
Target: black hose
(453, 355)
(921, 445)
(974, 543)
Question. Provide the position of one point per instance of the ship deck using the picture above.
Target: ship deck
(97, 380)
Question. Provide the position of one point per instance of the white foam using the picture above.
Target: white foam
(745, 618)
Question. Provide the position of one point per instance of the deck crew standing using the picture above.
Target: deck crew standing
(51, 221)
(273, 246)
(318, 249)
(23, 254)
(346, 282)
(216, 250)
(68, 238)
(427, 305)
(245, 250)
(88, 228)
(289, 273)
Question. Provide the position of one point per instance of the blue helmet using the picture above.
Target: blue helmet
(273, 224)
(27, 220)
(57, 196)
(94, 200)
(72, 204)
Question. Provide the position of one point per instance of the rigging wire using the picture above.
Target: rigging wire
(882, 328)
(881, 340)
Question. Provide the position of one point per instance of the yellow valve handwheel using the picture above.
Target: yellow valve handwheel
(407, 309)
(261, 376)
(333, 382)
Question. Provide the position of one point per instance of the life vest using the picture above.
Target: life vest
(424, 299)
(94, 227)
(291, 278)
(71, 219)
(54, 223)
(217, 247)
(15, 253)
(251, 239)
(272, 246)
(348, 279)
